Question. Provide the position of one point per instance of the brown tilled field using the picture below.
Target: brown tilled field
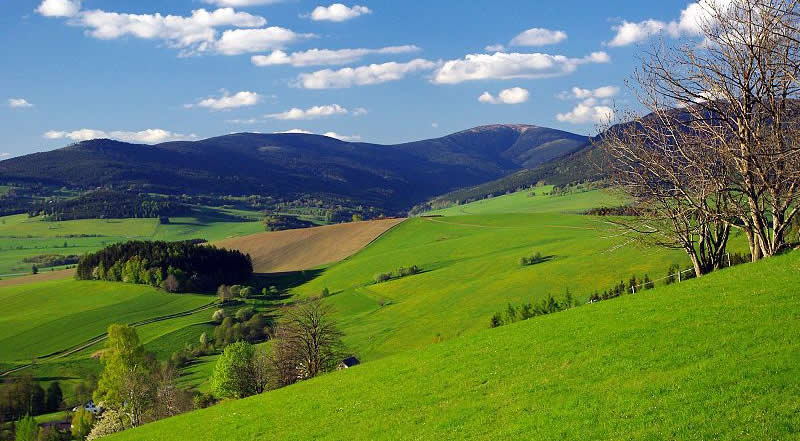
(294, 250)
(41, 277)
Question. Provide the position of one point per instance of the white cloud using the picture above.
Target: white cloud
(435, 125)
(300, 131)
(5, 155)
(228, 101)
(360, 111)
(239, 41)
(538, 37)
(511, 65)
(495, 48)
(362, 75)
(310, 113)
(345, 138)
(581, 93)
(59, 8)
(328, 134)
(587, 112)
(19, 103)
(148, 136)
(514, 95)
(243, 121)
(593, 108)
(318, 57)
(690, 23)
(240, 3)
(338, 12)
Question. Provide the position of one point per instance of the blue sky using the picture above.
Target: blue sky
(151, 71)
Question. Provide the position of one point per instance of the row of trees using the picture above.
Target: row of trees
(105, 203)
(720, 147)
(174, 266)
(529, 310)
(403, 271)
(22, 396)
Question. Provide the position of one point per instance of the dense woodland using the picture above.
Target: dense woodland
(173, 266)
(106, 203)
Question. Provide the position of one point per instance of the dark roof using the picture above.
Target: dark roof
(350, 361)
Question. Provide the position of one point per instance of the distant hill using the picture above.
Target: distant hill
(392, 177)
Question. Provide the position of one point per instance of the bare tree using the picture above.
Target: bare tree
(308, 343)
(729, 106)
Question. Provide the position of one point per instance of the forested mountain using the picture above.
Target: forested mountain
(393, 177)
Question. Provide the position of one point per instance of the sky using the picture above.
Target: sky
(384, 71)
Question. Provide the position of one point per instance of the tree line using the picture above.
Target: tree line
(173, 266)
(107, 203)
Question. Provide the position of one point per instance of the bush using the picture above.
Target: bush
(532, 260)
(246, 292)
(244, 314)
(325, 292)
(218, 315)
(382, 277)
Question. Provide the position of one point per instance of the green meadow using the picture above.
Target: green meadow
(710, 358)
(470, 270)
(537, 200)
(21, 236)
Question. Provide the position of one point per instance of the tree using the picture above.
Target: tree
(26, 429)
(308, 341)
(224, 294)
(54, 397)
(125, 383)
(203, 340)
(233, 373)
(34, 269)
(111, 421)
(37, 400)
(738, 98)
(82, 421)
(218, 315)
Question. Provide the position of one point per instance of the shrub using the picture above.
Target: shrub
(382, 277)
(246, 292)
(218, 315)
(325, 292)
(531, 260)
(244, 314)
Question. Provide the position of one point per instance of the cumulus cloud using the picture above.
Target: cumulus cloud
(346, 138)
(18, 103)
(228, 101)
(514, 95)
(59, 8)
(538, 37)
(328, 134)
(319, 57)
(310, 113)
(240, 3)
(593, 108)
(690, 23)
(511, 65)
(148, 136)
(338, 12)
(362, 75)
(239, 41)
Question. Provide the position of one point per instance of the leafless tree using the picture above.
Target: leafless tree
(307, 343)
(731, 116)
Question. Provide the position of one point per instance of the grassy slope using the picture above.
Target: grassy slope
(21, 236)
(523, 202)
(41, 318)
(471, 271)
(712, 358)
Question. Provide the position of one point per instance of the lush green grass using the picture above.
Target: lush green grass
(536, 200)
(711, 358)
(21, 236)
(471, 270)
(41, 318)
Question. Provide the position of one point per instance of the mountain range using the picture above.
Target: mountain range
(290, 165)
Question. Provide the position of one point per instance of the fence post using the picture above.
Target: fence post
(729, 259)
(679, 276)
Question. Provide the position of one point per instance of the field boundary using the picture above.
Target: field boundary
(97, 339)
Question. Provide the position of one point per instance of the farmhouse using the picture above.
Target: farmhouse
(89, 407)
(348, 363)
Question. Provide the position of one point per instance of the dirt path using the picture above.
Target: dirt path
(294, 250)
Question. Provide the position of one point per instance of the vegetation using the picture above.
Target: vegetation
(174, 266)
(532, 260)
(279, 223)
(240, 371)
(104, 204)
(664, 360)
(403, 271)
(529, 310)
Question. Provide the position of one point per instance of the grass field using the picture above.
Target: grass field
(21, 236)
(306, 248)
(711, 358)
(536, 200)
(470, 271)
(40, 318)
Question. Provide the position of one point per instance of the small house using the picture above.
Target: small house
(347, 363)
(89, 407)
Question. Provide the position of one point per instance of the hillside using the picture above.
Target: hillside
(294, 250)
(391, 177)
(711, 358)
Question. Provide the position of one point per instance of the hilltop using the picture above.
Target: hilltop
(291, 165)
(683, 361)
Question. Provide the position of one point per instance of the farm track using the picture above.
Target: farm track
(94, 340)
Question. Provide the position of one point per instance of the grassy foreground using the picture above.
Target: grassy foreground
(712, 358)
